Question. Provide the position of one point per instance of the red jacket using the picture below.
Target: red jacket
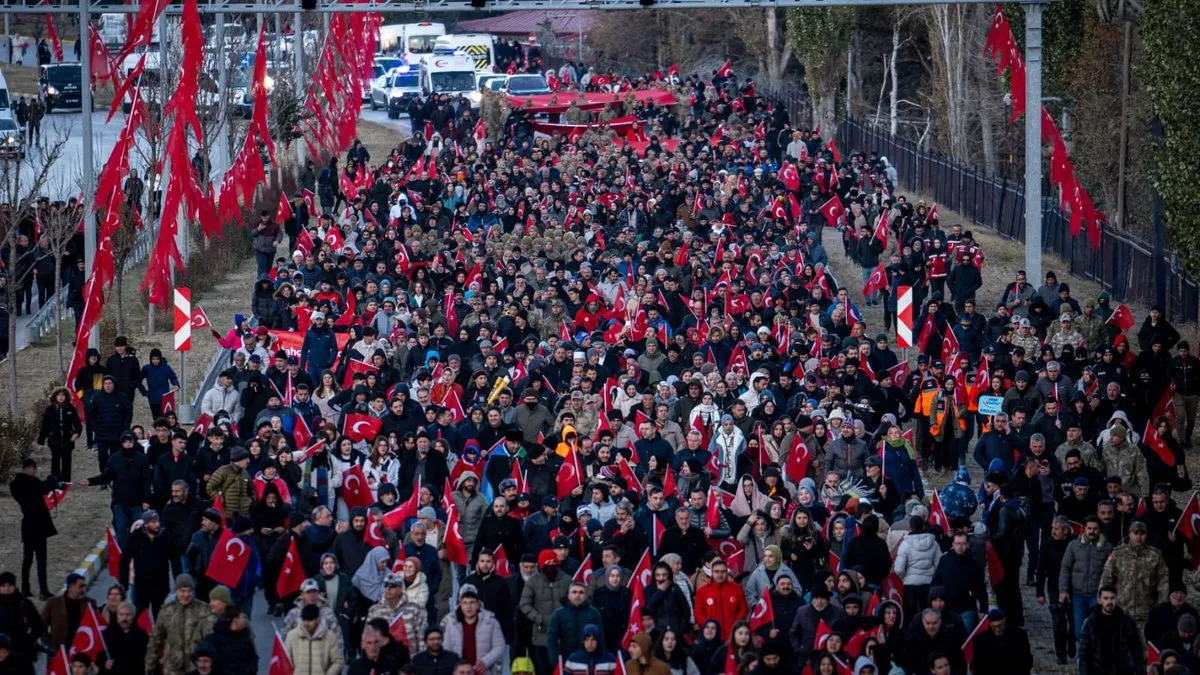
(725, 602)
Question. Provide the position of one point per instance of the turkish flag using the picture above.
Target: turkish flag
(355, 491)
(822, 633)
(1122, 318)
(503, 567)
(359, 427)
(56, 497)
(145, 621)
(310, 200)
(893, 588)
(670, 489)
(292, 574)
(937, 515)
(1189, 521)
(968, 648)
(731, 667)
(833, 210)
(283, 212)
(456, 549)
(89, 637)
(281, 663)
(570, 476)
(712, 514)
(995, 568)
(643, 573)
(60, 664)
(738, 360)
(833, 149)
(726, 69)
(1153, 655)
(898, 373)
(114, 554)
(583, 575)
(229, 559)
(881, 229)
(398, 630)
(635, 612)
(763, 612)
(395, 519)
(1155, 442)
(305, 243)
(876, 282)
(168, 402)
(790, 176)
(626, 472)
(798, 460)
(199, 318)
(373, 534)
(659, 530)
(355, 366)
(301, 433)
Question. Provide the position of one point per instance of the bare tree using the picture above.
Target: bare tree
(21, 182)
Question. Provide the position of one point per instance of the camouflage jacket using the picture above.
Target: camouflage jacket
(1126, 462)
(1140, 576)
(177, 630)
(415, 619)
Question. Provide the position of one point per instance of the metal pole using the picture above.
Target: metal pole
(160, 187)
(849, 70)
(89, 169)
(298, 74)
(1033, 141)
(222, 144)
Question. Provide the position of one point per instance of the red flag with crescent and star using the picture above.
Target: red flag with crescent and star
(229, 559)
(292, 573)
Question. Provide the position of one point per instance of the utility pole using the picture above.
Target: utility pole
(1033, 141)
(89, 169)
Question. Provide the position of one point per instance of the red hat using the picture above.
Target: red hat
(262, 331)
(547, 557)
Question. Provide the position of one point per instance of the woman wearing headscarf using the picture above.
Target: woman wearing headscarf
(612, 598)
(369, 576)
(707, 644)
(675, 562)
(755, 535)
(768, 571)
(803, 547)
(806, 496)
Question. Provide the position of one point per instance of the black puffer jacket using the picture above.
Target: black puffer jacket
(110, 415)
(128, 473)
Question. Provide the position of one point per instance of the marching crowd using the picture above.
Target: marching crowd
(577, 405)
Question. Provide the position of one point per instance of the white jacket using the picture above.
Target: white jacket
(917, 558)
(218, 399)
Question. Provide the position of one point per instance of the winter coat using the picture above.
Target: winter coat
(804, 627)
(917, 558)
(415, 617)
(126, 370)
(178, 629)
(1095, 658)
(670, 608)
(725, 602)
(539, 599)
(129, 476)
(761, 579)
(109, 415)
(156, 381)
(59, 424)
(846, 457)
(127, 649)
(318, 350)
(234, 485)
(471, 511)
(217, 399)
(235, 652)
(489, 639)
(565, 634)
(316, 654)
(1082, 565)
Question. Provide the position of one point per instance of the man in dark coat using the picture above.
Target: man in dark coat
(123, 365)
(36, 525)
(150, 551)
(109, 415)
(1003, 649)
(128, 472)
(126, 643)
(495, 592)
(19, 618)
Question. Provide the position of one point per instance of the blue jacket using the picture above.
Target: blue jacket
(994, 446)
(157, 381)
(319, 349)
(109, 415)
(902, 470)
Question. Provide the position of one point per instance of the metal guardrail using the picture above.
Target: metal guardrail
(47, 317)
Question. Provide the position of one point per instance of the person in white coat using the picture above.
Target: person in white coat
(381, 467)
(916, 561)
(487, 652)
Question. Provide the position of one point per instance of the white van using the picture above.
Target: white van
(5, 101)
(481, 47)
(410, 41)
(448, 74)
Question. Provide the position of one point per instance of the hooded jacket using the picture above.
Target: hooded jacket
(917, 558)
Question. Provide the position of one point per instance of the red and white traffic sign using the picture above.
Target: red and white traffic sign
(904, 317)
(183, 319)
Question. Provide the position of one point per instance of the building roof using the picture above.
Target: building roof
(525, 22)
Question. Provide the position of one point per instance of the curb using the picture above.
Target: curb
(93, 562)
